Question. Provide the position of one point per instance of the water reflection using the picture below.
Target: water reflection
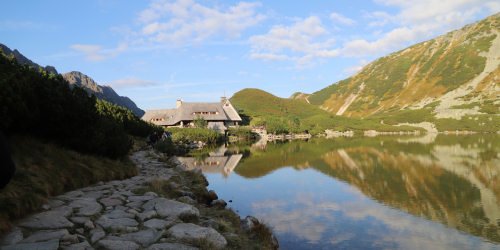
(383, 192)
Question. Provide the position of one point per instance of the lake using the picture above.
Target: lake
(431, 192)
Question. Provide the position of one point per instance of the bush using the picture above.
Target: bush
(187, 135)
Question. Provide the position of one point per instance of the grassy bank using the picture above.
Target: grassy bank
(44, 170)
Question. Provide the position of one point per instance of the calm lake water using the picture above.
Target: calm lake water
(366, 193)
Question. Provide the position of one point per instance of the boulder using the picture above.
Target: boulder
(121, 224)
(117, 245)
(144, 237)
(158, 224)
(171, 208)
(46, 245)
(45, 235)
(191, 232)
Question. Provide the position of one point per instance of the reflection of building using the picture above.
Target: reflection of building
(216, 162)
(219, 115)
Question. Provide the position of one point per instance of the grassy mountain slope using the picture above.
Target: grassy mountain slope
(290, 115)
(457, 74)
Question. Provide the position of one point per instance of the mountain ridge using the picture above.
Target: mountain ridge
(454, 70)
(75, 78)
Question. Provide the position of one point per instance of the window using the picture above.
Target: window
(206, 113)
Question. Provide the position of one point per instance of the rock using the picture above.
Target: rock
(187, 200)
(171, 208)
(192, 232)
(71, 238)
(118, 214)
(108, 202)
(13, 237)
(80, 246)
(118, 245)
(46, 236)
(171, 246)
(96, 235)
(249, 223)
(151, 194)
(212, 195)
(144, 237)
(86, 206)
(89, 225)
(135, 204)
(116, 224)
(70, 195)
(53, 203)
(46, 245)
(218, 203)
(54, 219)
(146, 215)
(79, 220)
(93, 194)
(158, 224)
(140, 198)
(80, 230)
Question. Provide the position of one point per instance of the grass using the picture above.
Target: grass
(44, 170)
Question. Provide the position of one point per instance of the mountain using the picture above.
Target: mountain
(81, 80)
(290, 115)
(21, 59)
(453, 76)
(78, 79)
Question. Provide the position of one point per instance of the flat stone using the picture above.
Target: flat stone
(71, 195)
(86, 206)
(79, 220)
(171, 208)
(171, 246)
(151, 194)
(93, 195)
(144, 237)
(146, 215)
(13, 237)
(158, 224)
(47, 220)
(135, 204)
(118, 245)
(111, 202)
(46, 236)
(96, 234)
(79, 246)
(46, 245)
(118, 214)
(140, 198)
(89, 225)
(116, 224)
(191, 232)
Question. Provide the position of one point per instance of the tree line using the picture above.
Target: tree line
(35, 103)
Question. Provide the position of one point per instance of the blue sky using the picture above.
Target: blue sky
(158, 51)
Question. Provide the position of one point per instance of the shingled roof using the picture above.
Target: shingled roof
(189, 111)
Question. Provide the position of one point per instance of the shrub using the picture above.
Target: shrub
(186, 135)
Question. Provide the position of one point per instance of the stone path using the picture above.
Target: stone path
(110, 216)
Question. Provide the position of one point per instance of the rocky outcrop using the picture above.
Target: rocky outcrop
(106, 93)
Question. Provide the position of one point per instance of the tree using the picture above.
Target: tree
(199, 122)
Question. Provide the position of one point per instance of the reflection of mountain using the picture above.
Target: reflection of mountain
(216, 162)
(455, 181)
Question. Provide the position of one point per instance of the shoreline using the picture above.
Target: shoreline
(165, 206)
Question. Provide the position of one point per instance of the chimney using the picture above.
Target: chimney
(223, 100)
(178, 103)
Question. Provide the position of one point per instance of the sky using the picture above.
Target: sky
(158, 51)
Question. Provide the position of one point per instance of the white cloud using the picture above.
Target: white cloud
(94, 52)
(130, 83)
(336, 17)
(186, 21)
(301, 42)
(416, 21)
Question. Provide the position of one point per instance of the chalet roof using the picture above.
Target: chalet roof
(189, 111)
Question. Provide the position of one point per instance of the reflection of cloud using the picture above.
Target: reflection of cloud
(318, 222)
